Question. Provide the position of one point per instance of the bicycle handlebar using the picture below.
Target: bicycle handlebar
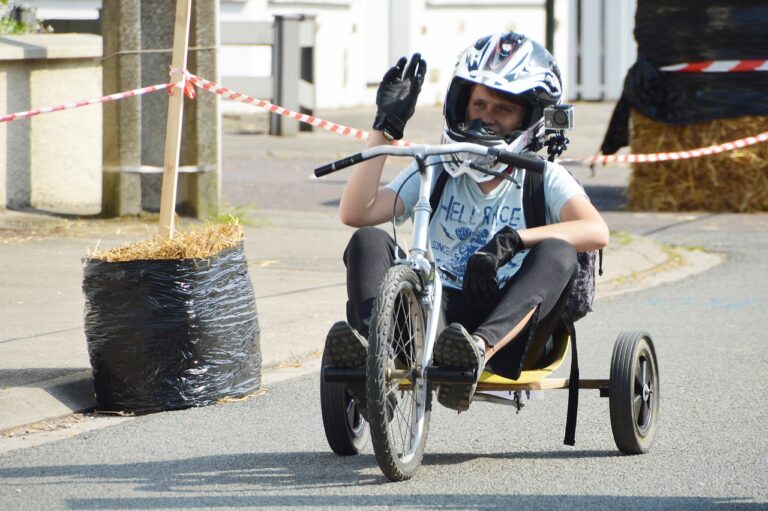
(423, 150)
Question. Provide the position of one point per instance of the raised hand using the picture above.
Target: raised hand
(397, 95)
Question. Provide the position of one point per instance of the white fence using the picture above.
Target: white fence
(356, 40)
(602, 47)
(290, 84)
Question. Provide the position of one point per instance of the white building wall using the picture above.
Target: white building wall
(357, 40)
(339, 48)
(445, 28)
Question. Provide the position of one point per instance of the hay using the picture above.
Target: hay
(731, 181)
(199, 242)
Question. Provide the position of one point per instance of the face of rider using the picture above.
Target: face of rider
(502, 115)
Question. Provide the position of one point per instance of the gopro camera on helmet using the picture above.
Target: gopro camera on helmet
(558, 117)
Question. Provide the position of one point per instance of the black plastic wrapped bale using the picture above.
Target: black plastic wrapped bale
(675, 111)
(171, 334)
(706, 30)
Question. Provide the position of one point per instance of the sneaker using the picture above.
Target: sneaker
(455, 348)
(346, 348)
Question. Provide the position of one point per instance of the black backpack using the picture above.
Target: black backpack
(582, 293)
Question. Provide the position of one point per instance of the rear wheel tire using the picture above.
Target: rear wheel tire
(399, 406)
(634, 392)
(346, 431)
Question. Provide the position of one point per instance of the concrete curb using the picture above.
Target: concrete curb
(46, 400)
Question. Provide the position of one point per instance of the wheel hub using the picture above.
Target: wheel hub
(647, 392)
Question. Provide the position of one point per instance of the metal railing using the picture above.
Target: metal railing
(291, 84)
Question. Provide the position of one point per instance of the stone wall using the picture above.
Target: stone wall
(53, 161)
(138, 38)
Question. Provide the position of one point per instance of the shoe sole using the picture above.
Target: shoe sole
(453, 351)
(343, 348)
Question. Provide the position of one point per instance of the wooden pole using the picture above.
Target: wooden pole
(175, 115)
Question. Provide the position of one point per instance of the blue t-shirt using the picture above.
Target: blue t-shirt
(466, 218)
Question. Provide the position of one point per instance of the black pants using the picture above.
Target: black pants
(541, 283)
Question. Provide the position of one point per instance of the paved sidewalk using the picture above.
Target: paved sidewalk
(295, 264)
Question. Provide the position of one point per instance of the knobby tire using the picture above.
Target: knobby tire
(399, 419)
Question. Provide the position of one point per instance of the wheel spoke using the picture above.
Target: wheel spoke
(402, 420)
(402, 342)
(638, 382)
(637, 404)
(351, 412)
(402, 330)
(642, 418)
(405, 337)
(398, 442)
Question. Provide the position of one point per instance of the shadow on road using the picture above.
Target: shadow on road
(309, 479)
(422, 501)
(457, 458)
(607, 198)
(31, 376)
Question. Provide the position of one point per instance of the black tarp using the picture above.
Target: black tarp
(674, 32)
(171, 334)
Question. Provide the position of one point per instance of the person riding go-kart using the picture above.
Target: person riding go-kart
(506, 283)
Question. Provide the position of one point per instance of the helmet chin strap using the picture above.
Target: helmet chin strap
(477, 128)
(513, 136)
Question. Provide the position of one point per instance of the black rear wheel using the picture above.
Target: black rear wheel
(634, 392)
(346, 430)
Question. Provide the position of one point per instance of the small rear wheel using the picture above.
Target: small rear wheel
(346, 430)
(399, 401)
(634, 392)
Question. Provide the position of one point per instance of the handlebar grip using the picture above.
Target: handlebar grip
(524, 162)
(338, 165)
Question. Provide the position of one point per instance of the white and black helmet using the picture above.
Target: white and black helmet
(513, 65)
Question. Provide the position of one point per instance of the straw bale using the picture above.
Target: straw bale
(197, 242)
(730, 181)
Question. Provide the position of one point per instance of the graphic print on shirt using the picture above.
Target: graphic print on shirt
(464, 212)
(466, 228)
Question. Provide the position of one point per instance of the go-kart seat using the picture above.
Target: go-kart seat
(544, 357)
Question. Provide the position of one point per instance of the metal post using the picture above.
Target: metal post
(550, 28)
(286, 70)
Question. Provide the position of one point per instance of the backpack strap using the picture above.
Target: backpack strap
(573, 386)
(437, 192)
(534, 201)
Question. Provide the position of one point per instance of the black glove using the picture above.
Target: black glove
(397, 94)
(481, 283)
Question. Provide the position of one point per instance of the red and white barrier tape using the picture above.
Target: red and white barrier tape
(718, 66)
(86, 102)
(678, 155)
(352, 132)
(266, 105)
(189, 79)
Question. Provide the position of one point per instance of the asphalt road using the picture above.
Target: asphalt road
(269, 451)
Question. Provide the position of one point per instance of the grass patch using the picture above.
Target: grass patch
(242, 215)
(621, 238)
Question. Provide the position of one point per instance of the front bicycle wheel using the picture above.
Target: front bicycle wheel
(399, 401)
